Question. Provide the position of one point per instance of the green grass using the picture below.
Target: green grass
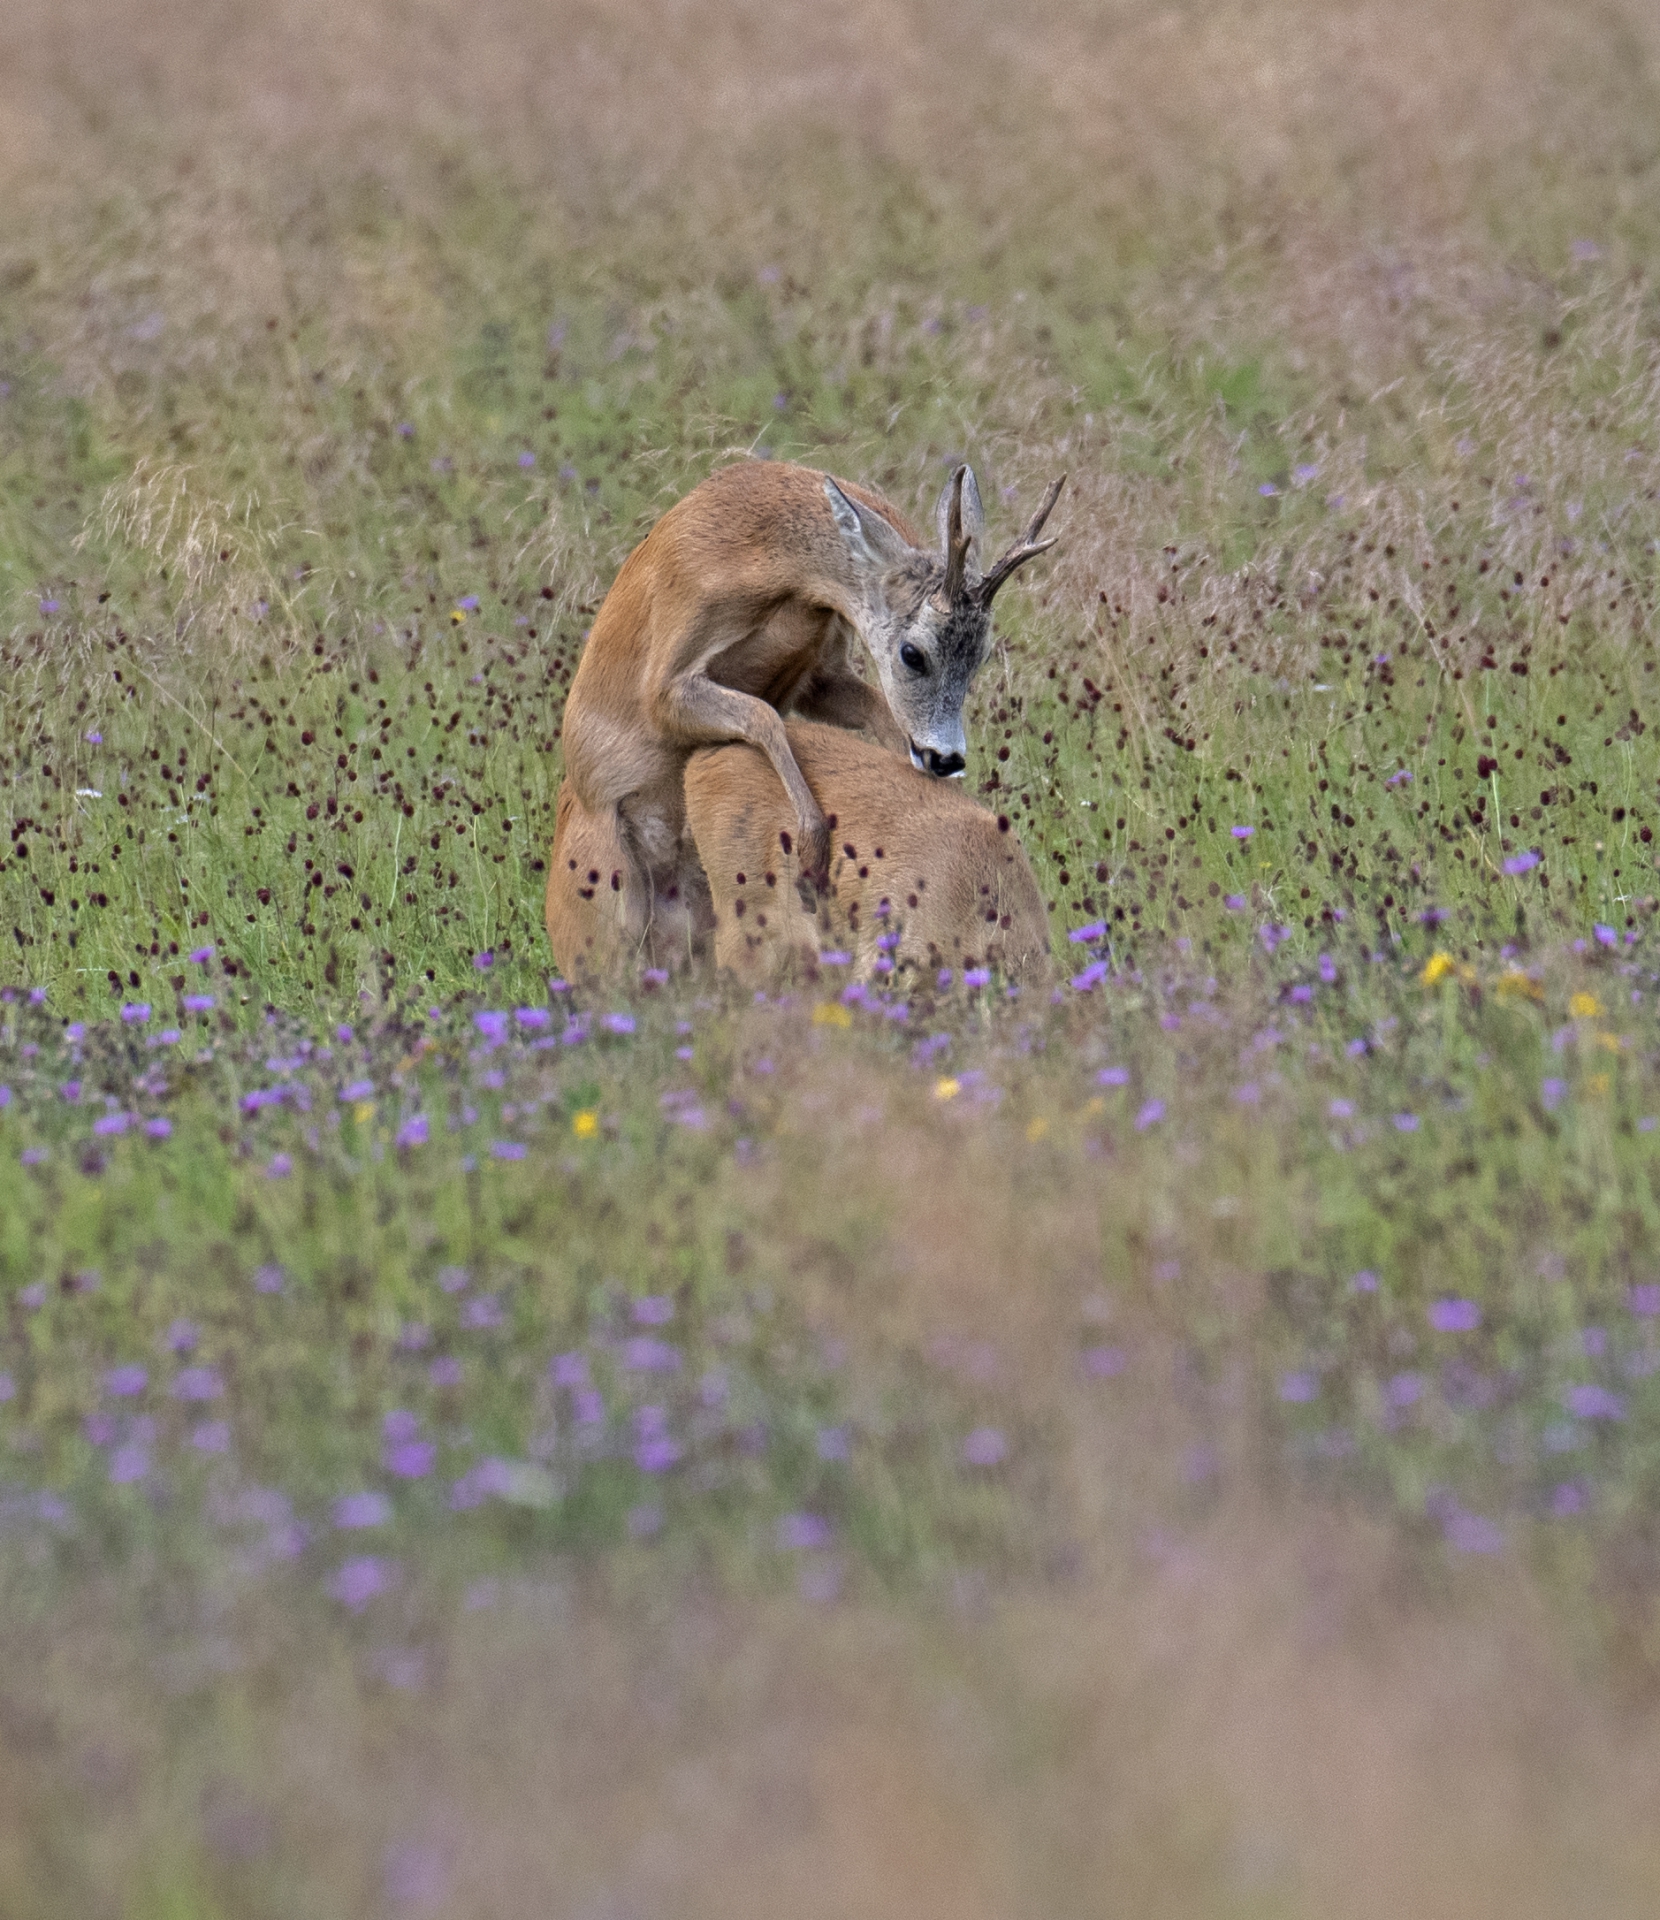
(1225, 1394)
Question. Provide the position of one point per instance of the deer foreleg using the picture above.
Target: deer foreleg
(696, 712)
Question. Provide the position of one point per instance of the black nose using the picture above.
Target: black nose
(944, 765)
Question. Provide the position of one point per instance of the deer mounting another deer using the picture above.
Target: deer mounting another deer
(920, 874)
(739, 607)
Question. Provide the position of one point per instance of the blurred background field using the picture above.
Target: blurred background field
(1188, 1446)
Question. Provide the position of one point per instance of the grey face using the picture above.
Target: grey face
(927, 616)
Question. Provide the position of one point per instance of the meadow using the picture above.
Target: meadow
(1184, 1443)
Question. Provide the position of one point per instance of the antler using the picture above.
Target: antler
(957, 542)
(1027, 547)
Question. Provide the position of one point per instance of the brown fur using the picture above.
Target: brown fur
(738, 606)
(912, 856)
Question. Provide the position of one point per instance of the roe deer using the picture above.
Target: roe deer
(919, 872)
(739, 606)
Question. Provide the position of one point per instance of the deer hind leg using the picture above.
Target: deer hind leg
(599, 898)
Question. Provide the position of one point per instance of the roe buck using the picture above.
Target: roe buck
(739, 606)
(918, 870)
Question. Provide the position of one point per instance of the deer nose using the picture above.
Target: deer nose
(945, 766)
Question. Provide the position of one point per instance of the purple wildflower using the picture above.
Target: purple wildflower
(414, 1132)
(508, 1150)
(1472, 1532)
(359, 1580)
(1113, 1077)
(1454, 1316)
(128, 1463)
(1593, 1402)
(1242, 833)
(211, 1436)
(180, 1337)
(125, 1382)
(621, 1024)
(1404, 1389)
(493, 1026)
(656, 1455)
(483, 1314)
(410, 1459)
(647, 1355)
(653, 1310)
(1645, 1300)
(1299, 1388)
(136, 1012)
(360, 1510)
(1149, 1116)
(1096, 930)
(1407, 1123)
(1520, 863)
(985, 1447)
(197, 1383)
(445, 1372)
(803, 1533)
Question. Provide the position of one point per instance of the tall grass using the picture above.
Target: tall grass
(1183, 1447)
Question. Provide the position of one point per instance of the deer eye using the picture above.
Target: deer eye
(913, 658)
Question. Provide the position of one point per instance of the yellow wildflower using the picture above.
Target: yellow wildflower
(831, 1013)
(1610, 1042)
(1585, 1006)
(947, 1088)
(1436, 968)
(364, 1110)
(1094, 1106)
(586, 1124)
(1513, 982)
(1597, 1085)
(1036, 1128)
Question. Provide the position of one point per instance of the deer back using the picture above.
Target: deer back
(920, 873)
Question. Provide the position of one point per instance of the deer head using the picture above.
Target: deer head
(927, 616)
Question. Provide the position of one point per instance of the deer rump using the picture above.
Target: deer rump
(918, 871)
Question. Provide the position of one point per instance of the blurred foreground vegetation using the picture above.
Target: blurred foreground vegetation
(1188, 1445)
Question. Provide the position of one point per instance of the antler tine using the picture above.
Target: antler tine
(1027, 547)
(957, 541)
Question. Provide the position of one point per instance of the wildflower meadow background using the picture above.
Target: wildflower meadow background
(1186, 1443)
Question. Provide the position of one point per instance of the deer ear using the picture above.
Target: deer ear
(874, 541)
(974, 518)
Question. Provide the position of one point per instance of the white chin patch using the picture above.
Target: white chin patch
(960, 774)
(917, 761)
